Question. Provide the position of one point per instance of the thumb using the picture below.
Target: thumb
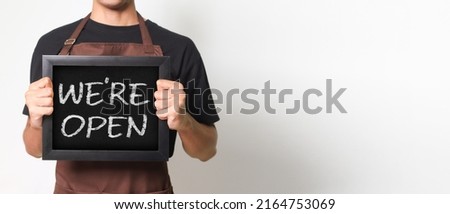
(47, 82)
(44, 82)
(164, 84)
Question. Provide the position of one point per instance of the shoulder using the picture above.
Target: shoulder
(185, 58)
(61, 33)
(49, 44)
(53, 40)
(170, 41)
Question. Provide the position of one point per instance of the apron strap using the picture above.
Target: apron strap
(146, 39)
(68, 44)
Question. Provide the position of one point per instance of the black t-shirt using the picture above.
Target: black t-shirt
(186, 62)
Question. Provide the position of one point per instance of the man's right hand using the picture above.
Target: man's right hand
(39, 100)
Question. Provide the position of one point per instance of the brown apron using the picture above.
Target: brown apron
(112, 177)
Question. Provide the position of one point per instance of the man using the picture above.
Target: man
(114, 23)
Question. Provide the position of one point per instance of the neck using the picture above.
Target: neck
(125, 16)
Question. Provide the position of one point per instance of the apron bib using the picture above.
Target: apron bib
(111, 177)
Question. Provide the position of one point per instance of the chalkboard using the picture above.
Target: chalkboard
(104, 109)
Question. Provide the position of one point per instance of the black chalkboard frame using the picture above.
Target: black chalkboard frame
(49, 153)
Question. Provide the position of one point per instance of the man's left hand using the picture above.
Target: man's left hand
(170, 104)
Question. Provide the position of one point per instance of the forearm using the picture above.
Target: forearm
(199, 140)
(32, 138)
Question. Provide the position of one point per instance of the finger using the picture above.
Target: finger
(179, 98)
(48, 82)
(163, 84)
(161, 104)
(32, 100)
(40, 111)
(170, 94)
(31, 95)
(47, 110)
(179, 93)
(41, 83)
(41, 102)
(161, 95)
(44, 102)
(162, 114)
(44, 92)
(168, 84)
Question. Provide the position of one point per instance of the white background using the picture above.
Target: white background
(392, 56)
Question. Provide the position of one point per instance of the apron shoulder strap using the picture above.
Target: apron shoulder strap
(68, 44)
(145, 34)
(146, 38)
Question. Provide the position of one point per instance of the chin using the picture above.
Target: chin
(115, 4)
